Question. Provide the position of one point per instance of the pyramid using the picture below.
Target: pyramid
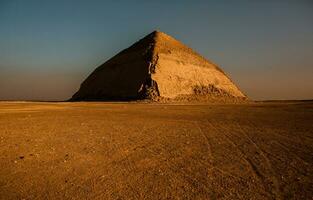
(158, 67)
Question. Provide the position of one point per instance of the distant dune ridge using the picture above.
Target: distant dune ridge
(158, 68)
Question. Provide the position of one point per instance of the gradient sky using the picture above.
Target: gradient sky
(47, 48)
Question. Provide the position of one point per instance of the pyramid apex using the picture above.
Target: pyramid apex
(157, 32)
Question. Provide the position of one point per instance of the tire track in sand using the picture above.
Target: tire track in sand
(248, 161)
(207, 142)
(211, 151)
(254, 168)
(272, 177)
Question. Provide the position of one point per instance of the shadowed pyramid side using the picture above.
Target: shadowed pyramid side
(122, 77)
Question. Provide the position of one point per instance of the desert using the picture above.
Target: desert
(127, 150)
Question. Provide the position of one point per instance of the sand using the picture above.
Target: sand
(156, 151)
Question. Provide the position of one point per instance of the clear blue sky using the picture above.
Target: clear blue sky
(47, 48)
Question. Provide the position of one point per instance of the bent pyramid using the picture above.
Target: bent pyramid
(157, 67)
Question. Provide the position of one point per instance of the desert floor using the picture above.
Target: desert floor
(156, 151)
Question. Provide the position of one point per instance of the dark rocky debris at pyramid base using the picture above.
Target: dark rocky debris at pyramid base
(150, 93)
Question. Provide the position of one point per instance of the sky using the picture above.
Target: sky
(47, 48)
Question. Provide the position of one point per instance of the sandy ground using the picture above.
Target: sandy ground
(156, 151)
